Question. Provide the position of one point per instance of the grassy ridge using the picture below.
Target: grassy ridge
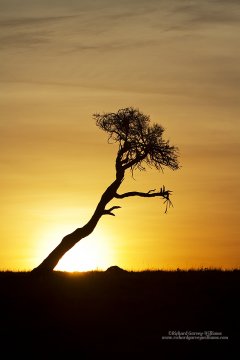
(111, 313)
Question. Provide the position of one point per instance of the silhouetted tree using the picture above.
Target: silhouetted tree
(139, 144)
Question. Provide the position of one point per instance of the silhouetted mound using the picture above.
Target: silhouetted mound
(115, 270)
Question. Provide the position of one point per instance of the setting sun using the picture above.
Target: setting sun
(90, 254)
(96, 252)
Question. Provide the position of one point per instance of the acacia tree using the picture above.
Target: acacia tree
(139, 144)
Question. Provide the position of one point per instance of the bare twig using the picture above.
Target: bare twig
(109, 211)
(165, 194)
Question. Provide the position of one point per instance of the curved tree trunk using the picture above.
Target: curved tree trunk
(124, 160)
(72, 239)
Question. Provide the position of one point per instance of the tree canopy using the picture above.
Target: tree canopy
(139, 142)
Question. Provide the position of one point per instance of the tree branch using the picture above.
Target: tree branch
(134, 161)
(165, 194)
(109, 211)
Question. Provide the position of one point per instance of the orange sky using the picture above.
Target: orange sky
(62, 61)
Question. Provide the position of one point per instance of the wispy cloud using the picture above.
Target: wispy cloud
(179, 48)
(25, 32)
(32, 21)
(205, 12)
(143, 19)
(24, 40)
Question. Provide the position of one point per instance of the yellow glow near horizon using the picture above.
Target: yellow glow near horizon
(91, 253)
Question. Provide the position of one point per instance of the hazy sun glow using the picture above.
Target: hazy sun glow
(92, 253)
(95, 252)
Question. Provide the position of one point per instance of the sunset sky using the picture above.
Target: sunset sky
(61, 61)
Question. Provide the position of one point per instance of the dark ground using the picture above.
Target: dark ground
(119, 314)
